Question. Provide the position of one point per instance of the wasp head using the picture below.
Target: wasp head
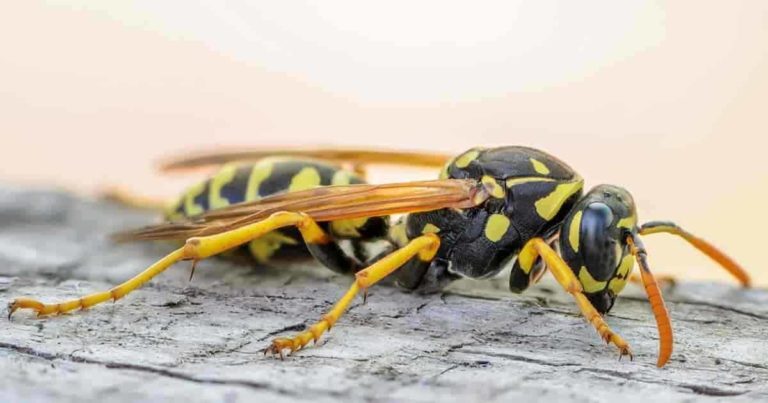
(593, 243)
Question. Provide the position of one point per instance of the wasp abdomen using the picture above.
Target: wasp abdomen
(236, 183)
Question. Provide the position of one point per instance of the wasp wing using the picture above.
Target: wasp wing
(324, 204)
(353, 156)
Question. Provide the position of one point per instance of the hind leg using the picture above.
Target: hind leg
(195, 249)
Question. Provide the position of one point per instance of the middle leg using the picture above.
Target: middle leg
(424, 248)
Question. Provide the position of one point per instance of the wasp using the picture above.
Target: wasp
(490, 209)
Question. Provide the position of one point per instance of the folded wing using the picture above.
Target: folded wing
(324, 204)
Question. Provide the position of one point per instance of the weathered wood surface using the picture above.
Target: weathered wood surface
(203, 341)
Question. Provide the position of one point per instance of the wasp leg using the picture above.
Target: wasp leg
(195, 249)
(564, 275)
(521, 277)
(705, 247)
(425, 247)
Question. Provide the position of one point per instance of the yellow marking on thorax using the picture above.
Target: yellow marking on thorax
(464, 159)
(589, 283)
(622, 274)
(548, 206)
(496, 226)
(430, 229)
(221, 179)
(628, 222)
(307, 178)
(574, 232)
(539, 167)
(260, 172)
(190, 207)
(528, 179)
(493, 187)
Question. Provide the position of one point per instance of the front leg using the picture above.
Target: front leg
(564, 275)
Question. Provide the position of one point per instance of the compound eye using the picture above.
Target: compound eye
(597, 215)
(599, 249)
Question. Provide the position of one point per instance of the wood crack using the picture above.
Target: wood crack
(161, 371)
(699, 389)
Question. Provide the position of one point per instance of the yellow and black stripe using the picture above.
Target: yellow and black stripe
(248, 182)
(237, 183)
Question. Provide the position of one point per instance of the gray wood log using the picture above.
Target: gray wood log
(203, 341)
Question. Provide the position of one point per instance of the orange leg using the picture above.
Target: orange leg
(424, 247)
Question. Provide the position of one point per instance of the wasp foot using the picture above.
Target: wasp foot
(612, 338)
(299, 341)
(27, 303)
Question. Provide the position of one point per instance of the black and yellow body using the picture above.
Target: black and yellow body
(530, 193)
(246, 182)
(491, 208)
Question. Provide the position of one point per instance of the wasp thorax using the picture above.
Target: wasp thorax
(593, 243)
(528, 193)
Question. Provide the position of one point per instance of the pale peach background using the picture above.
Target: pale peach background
(665, 98)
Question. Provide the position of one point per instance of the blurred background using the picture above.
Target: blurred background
(667, 99)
